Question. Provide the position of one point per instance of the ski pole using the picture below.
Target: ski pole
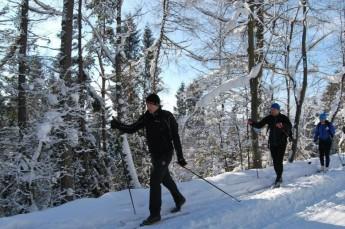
(257, 172)
(128, 185)
(341, 161)
(215, 186)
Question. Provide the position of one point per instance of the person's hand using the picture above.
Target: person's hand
(279, 125)
(182, 162)
(114, 123)
(250, 121)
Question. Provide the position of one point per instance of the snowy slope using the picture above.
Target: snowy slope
(306, 200)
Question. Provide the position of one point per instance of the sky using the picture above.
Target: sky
(175, 70)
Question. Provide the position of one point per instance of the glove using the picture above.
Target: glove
(250, 121)
(114, 123)
(182, 162)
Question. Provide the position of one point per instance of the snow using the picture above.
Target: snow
(43, 131)
(52, 99)
(228, 85)
(75, 97)
(51, 119)
(129, 162)
(306, 200)
(73, 136)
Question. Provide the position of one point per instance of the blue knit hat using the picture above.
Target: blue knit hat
(275, 106)
(323, 116)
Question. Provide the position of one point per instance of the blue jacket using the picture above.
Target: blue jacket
(324, 132)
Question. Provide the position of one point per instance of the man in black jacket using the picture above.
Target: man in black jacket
(162, 138)
(280, 129)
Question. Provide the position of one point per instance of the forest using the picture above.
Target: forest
(68, 66)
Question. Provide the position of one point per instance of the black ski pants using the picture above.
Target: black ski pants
(277, 153)
(324, 149)
(160, 175)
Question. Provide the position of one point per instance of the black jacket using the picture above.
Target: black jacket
(161, 133)
(277, 136)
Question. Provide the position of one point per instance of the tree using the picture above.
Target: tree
(67, 183)
(147, 42)
(22, 69)
(299, 99)
(181, 105)
(158, 46)
(255, 56)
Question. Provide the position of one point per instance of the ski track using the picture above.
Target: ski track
(306, 200)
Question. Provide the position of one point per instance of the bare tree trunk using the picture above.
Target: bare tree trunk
(158, 44)
(239, 144)
(118, 63)
(254, 82)
(22, 68)
(67, 183)
(81, 75)
(288, 77)
(300, 100)
(247, 131)
(103, 118)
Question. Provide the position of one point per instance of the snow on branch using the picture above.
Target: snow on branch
(228, 85)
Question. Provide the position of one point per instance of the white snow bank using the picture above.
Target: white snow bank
(306, 200)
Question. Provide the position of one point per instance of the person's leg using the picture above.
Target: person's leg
(280, 160)
(327, 153)
(322, 153)
(159, 169)
(169, 183)
(274, 154)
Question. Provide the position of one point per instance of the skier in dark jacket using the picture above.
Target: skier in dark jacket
(279, 131)
(162, 138)
(324, 133)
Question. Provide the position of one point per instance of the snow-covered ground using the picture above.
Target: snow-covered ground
(306, 200)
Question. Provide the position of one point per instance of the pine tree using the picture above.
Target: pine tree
(22, 67)
(181, 104)
(146, 77)
(131, 47)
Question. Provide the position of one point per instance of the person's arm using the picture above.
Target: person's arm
(139, 124)
(287, 127)
(331, 130)
(260, 124)
(176, 140)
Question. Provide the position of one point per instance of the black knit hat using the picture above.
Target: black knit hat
(153, 98)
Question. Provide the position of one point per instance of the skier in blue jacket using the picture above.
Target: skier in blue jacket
(324, 133)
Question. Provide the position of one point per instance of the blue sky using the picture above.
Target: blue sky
(175, 70)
